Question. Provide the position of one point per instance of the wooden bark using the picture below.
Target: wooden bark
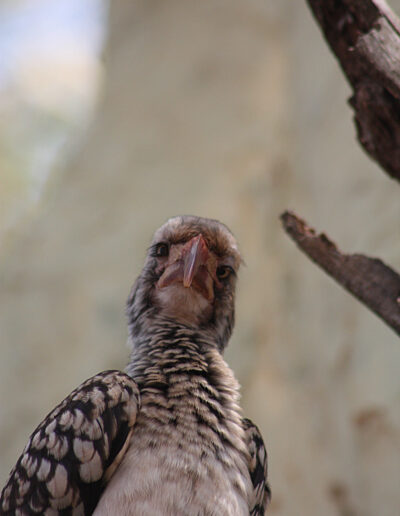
(368, 279)
(365, 36)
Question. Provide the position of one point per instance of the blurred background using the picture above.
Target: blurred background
(117, 115)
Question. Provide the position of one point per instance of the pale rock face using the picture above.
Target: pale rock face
(234, 110)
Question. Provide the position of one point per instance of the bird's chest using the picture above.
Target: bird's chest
(186, 457)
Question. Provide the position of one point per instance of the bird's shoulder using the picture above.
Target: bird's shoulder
(258, 468)
(75, 449)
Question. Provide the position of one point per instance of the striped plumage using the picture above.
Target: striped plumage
(168, 438)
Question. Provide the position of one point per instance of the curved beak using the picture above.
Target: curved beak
(195, 254)
(191, 268)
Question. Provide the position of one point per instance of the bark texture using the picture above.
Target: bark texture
(368, 279)
(365, 36)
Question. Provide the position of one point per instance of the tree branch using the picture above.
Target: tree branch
(365, 36)
(368, 279)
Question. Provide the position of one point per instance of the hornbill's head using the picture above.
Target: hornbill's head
(189, 277)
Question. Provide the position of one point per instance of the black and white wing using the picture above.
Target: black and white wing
(74, 451)
(258, 468)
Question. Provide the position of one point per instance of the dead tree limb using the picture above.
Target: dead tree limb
(365, 36)
(368, 279)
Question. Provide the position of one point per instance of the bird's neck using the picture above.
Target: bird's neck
(171, 350)
(183, 382)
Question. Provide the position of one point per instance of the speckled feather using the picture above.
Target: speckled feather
(65, 463)
(258, 468)
(187, 451)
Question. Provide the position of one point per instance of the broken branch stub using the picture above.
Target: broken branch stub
(368, 279)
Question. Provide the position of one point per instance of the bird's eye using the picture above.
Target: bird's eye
(161, 249)
(224, 271)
